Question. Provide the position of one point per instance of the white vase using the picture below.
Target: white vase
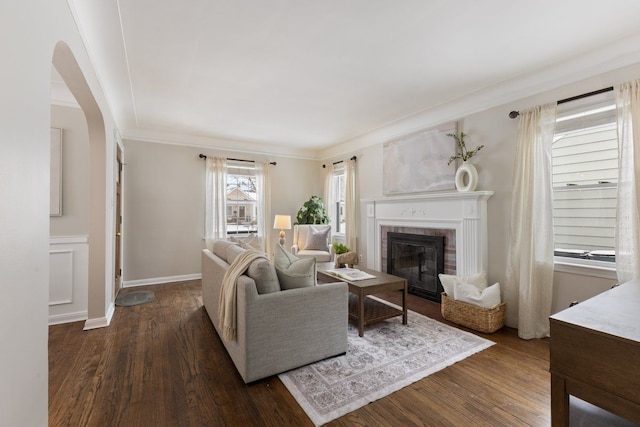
(466, 177)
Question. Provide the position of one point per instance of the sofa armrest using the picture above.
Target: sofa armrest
(295, 249)
(287, 329)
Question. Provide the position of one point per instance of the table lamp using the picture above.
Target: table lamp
(282, 222)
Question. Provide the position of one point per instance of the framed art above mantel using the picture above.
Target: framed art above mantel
(417, 162)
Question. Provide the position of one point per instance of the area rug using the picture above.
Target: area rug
(388, 357)
(135, 298)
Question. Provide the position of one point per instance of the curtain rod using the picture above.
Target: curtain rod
(515, 114)
(204, 156)
(341, 161)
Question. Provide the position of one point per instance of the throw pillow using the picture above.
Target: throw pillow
(263, 272)
(448, 280)
(317, 239)
(488, 297)
(294, 272)
(283, 259)
(300, 274)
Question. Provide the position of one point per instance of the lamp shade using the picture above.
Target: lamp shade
(282, 222)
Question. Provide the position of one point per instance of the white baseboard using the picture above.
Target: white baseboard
(57, 319)
(100, 322)
(160, 280)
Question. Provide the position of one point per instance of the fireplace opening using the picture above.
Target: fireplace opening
(419, 259)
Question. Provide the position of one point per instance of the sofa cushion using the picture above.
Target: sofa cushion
(448, 280)
(232, 253)
(263, 272)
(250, 242)
(220, 246)
(317, 239)
(294, 272)
(247, 246)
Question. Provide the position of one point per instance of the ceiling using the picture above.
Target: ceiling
(308, 75)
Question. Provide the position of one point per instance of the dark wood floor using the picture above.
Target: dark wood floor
(162, 364)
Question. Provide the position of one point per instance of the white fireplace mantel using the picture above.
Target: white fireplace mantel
(464, 212)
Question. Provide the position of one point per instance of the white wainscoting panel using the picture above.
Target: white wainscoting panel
(60, 276)
(68, 279)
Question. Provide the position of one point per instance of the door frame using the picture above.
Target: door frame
(119, 214)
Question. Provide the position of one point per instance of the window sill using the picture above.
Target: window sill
(338, 238)
(602, 269)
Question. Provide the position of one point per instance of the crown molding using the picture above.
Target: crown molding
(599, 61)
(237, 146)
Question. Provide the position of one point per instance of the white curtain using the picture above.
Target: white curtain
(263, 184)
(215, 200)
(529, 278)
(351, 216)
(628, 206)
(330, 196)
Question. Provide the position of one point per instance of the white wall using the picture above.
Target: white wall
(24, 217)
(162, 223)
(498, 133)
(75, 172)
(30, 31)
(69, 246)
(71, 62)
(495, 165)
(164, 206)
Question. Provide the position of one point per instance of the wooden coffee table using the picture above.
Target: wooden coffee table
(366, 310)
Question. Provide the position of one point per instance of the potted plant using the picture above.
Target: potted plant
(312, 212)
(339, 248)
(344, 256)
(466, 178)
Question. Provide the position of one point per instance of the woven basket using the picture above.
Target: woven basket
(487, 320)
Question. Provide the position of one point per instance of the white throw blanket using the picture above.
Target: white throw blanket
(228, 292)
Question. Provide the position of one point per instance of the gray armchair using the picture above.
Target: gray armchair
(312, 241)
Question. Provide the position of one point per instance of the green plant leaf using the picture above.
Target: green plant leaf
(339, 248)
(312, 212)
(461, 148)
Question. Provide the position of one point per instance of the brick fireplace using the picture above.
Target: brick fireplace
(460, 217)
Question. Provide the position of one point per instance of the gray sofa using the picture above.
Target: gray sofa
(279, 330)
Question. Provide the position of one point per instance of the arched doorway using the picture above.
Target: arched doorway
(100, 224)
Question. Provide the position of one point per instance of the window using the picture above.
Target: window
(338, 205)
(585, 174)
(242, 202)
